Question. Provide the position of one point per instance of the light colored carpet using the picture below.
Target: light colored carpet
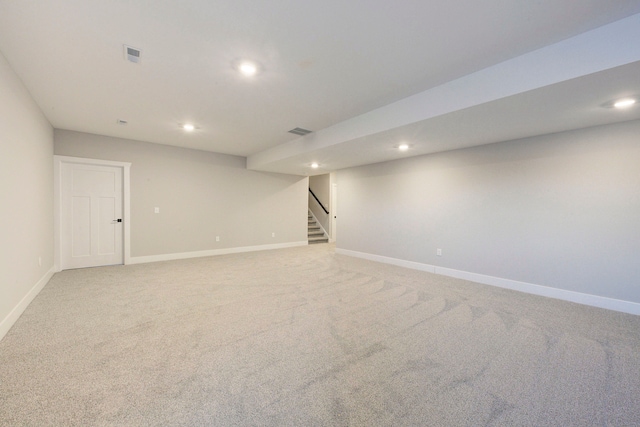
(305, 337)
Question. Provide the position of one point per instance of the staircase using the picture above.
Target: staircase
(315, 233)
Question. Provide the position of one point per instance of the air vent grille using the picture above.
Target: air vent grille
(300, 131)
(132, 54)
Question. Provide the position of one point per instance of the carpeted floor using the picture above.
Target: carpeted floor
(305, 337)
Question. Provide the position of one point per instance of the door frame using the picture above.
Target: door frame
(334, 209)
(58, 161)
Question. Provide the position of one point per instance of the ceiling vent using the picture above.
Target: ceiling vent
(300, 131)
(131, 54)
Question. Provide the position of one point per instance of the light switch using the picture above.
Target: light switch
(156, 210)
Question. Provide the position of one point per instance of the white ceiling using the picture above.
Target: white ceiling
(572, 104)
(326, 66)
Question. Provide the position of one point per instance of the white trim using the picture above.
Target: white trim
(213, 252)
(86, 161)
(57, 203)
(529, 288)
(126, 206)
(387, 260)
(14, 315)
(333, 215)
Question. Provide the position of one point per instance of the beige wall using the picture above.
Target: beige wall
(200, 194)
(561, 210)
(26, 197)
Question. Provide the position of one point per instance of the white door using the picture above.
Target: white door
(91, 215)
(334, 211)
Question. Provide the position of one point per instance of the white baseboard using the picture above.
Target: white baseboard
(212, 252)
(387, 260)
(17, 311)
(529, 288)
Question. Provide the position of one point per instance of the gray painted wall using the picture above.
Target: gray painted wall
(560, 210)
(200, 194)
(26, 193)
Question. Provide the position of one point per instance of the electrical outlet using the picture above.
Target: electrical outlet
(217, 238)
(273, 234)
(156, 210)
(439, 252)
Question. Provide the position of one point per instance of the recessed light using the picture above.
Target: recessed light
(403, 147)
(188, 127)
(315, 165)
(624, 103)
(246, 68)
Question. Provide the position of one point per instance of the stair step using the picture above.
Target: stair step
(315, 234)
(318, 240)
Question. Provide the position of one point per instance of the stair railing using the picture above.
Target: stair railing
(319, 202)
